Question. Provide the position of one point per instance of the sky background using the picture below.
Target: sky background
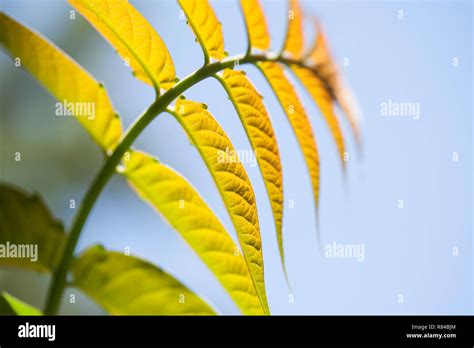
(408, 252)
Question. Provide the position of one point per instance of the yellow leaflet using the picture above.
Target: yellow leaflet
(126, 285)
(206, 26)
(77, 92)
(133, 37)
(327, 69)
(254, 117)
(231, 180)
(179, 203)
(299, 121)
(256, 24)
(323, 100)
(294, 41)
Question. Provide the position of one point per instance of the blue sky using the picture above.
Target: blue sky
(408, 251)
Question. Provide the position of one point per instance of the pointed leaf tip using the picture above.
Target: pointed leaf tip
(184, 209)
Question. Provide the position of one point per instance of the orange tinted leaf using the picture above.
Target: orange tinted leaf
(327, 69)
(320, 95)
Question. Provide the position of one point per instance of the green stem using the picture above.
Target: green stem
(59, 279)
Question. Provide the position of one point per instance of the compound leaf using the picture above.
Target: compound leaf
(205, 26)
(182, 207)
(133, 37)
(126, 285)
(64, 79)
(29, 235)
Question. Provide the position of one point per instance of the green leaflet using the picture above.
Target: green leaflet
(30, 237)
(126, 285)
(10, 305)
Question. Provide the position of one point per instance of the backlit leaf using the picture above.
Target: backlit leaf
(254, 117)
(256, 24)
(133, 37)
(230, 177)
(126, 285)
(64, 79)
(321, 96)
(294, 40)
(327, 69)
(29, 235)
(299, 122)
(10, 305)
(206, 26)
(182, 207)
